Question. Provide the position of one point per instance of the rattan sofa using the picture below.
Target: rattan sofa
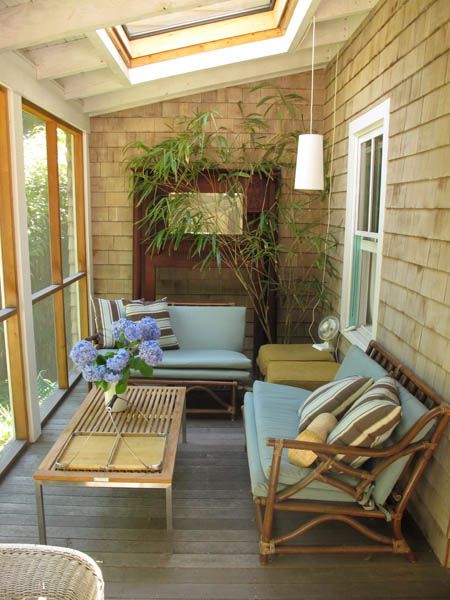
(331, 490)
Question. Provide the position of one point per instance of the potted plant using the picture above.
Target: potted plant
(265, 263)
(136, 348)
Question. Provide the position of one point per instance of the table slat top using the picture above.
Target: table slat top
(152, 410)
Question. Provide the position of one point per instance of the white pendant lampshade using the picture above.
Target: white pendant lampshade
(309, 167)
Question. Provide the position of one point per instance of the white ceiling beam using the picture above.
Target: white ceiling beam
(332, 9)
(106, 49)
(43, 21)
(210, 79)
(62, 60)
(303, 24)
(19, 75)
(333, 32)
(90, 84)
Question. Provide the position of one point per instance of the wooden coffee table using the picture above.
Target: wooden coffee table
(152, 410)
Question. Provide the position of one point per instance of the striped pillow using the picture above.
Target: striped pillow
(334, 397)
(105, 312)
(158, 310)
(370, 421)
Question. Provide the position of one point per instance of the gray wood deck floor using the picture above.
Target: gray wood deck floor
(215, 541)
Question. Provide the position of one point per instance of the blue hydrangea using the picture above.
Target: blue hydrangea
(132, 332)
(111, 377)
(118, 361)
(118, 327)
(150, 352)
(149, 329)
(93, 373)
(83, 353)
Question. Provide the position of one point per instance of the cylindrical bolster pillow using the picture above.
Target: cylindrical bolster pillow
(316, 432)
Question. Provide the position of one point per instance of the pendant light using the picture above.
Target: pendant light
(309, 166)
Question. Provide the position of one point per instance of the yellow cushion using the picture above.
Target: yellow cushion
(270, 352)
(308, 375)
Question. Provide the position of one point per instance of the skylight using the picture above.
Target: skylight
(193, 18)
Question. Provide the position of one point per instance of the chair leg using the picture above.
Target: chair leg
(402, 546)
(234, 386)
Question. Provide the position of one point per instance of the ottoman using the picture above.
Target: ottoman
(289, 352)
(307, 374)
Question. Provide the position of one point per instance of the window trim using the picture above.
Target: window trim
(360, 129)
(8, 261)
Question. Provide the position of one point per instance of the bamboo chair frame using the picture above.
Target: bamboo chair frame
(419, 454)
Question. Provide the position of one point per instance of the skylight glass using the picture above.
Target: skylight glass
(192, 18)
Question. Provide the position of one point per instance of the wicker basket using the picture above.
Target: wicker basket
(31, 572)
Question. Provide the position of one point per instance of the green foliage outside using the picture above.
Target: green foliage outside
(36, 190)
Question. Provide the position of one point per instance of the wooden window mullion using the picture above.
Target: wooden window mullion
(8, 255)
(80, 217)
(56, 253)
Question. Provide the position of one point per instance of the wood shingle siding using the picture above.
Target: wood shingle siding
(401, 52)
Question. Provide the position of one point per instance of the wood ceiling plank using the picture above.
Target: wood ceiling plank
(62, 60)
(90, 84)
(47, 20)
(332, 9)
(203, 81)
(333, 31)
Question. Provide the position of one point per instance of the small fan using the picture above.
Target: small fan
(328, 331)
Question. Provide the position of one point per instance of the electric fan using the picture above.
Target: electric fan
(327, 331)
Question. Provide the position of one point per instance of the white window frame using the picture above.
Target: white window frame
(375, 121)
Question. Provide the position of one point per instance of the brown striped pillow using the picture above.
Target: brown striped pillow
(158, 310)
(334, 397)
(105, 312)
(370, 420)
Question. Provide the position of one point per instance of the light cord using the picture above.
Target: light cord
(330, 191)
(312, 72)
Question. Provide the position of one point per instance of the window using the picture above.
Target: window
(366, 185)
(56, 242)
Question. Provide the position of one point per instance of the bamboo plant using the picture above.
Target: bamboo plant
(265, 263)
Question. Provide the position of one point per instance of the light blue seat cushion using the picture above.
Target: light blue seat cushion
(357, 362)
(201, 374)
(209, 327)
(273, 409)
(259, 469)
(412, 411)
(205, 359)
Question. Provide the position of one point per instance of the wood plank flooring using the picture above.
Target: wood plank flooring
(213, 554)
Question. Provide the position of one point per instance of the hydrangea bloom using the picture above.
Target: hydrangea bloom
(131, 340)
(118, 361)
(132, 332)
(150, 352)
(93, 373)
(118, 327)
(149, 329)
(83, 353)
(111, 377)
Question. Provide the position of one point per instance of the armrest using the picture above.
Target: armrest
(399, 447)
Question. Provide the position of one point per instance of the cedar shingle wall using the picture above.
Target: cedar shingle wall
(401, 52)
(111, 208)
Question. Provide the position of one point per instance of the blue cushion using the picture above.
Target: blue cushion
(412, 411)
(315, 491)
(357, 362)
(209, 327)
(201, 374)
(205, 359)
